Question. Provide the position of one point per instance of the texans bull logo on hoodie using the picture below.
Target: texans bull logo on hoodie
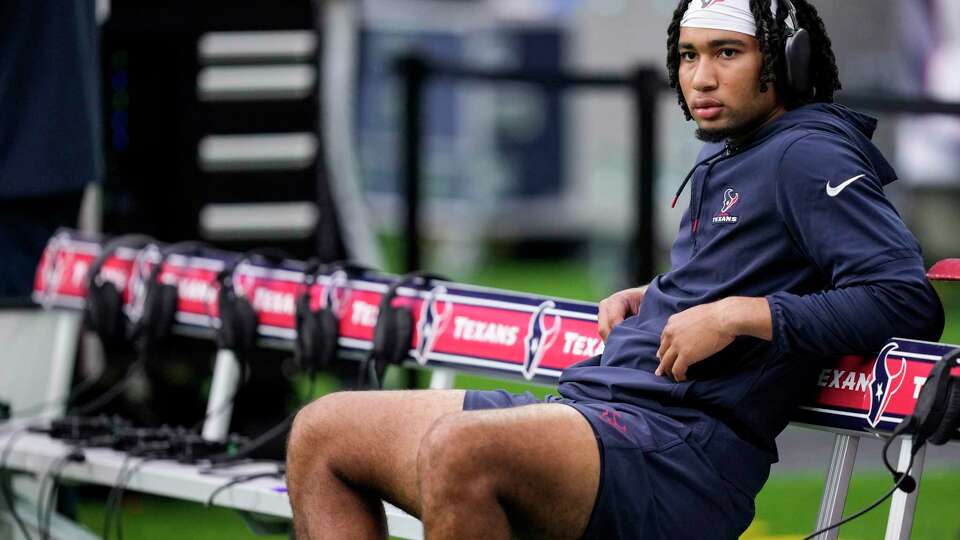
(730, 199)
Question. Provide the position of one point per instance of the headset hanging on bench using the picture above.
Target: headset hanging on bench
(154, 317)
(103, 313)
(393, 333)
(935, 419)
(159, 304)
(319, 330)
(238, 318)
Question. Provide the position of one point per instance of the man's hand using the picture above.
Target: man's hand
(617, 307)
(702, 331)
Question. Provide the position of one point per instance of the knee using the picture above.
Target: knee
(316, 426)
(452, 463)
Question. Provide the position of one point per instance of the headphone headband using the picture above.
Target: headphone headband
(190, 248)
(272, 255)
(405, 281)
(793, 23)
(133, 241)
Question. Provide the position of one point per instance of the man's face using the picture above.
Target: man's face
(720, 78)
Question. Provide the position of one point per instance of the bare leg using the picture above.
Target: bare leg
(531, 471)
(349, 450)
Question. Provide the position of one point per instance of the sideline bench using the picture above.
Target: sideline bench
(461, 328)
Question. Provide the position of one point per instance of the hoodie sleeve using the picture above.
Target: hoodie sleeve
(833, 206)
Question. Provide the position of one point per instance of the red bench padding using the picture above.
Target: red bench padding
(945, 270)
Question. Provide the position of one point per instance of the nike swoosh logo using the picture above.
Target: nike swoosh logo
(834, 191)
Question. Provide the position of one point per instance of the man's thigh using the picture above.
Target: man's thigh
(544, 461)
(371, 439)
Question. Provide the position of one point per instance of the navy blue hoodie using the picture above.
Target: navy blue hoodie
(796, 215)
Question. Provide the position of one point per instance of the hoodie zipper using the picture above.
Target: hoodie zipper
(695, 221)
(696, 196)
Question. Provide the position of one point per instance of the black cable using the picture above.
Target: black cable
(108, 505)
(254, 444)
(8, 494)
(114, 390)
(45, 513)
(40, 494)
(902, 480)
(112, 511)
(118, 515)
(244, 478)
(267, 436)
(51, 508)
(41, 507)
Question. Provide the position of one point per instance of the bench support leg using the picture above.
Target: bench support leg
(900, 519)
(442, 379)
(226, 383)
(63, 359)
(837, 484)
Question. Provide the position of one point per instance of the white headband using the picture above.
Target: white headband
(732, 15)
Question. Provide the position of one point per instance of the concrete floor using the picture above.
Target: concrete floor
(807, 450)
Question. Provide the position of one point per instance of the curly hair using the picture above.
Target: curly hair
(771, 36)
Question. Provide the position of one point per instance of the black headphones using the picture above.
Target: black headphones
(796, 52)
(318, 330)
(393, 334)
(104, 308)
(238, 318)
(936, 417)
(159, 305)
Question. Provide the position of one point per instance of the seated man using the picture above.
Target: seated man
(788, 256)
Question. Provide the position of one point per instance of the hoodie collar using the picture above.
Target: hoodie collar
(828, 116)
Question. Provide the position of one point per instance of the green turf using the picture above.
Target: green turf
(787, 507)
(147, 517)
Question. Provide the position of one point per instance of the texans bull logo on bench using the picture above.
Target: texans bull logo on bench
(139, 273)
(433, 323)
(58, 260)
(887, 377)
(337, 293)
(539, 338)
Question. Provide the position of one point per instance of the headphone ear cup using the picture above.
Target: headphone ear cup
(225, 334)
(305, 344)
(104, 311)
(403, 323)
(926, 413)
(950, 421)
(384, 333)
(246, 335)
(327, 332)
(797, 57)
(165, 310)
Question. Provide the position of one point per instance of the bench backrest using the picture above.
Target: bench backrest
(503, 333)
(469, 328)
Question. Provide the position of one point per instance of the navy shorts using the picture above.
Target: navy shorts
(660, 477)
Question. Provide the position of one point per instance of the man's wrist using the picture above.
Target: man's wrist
(746, 316)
